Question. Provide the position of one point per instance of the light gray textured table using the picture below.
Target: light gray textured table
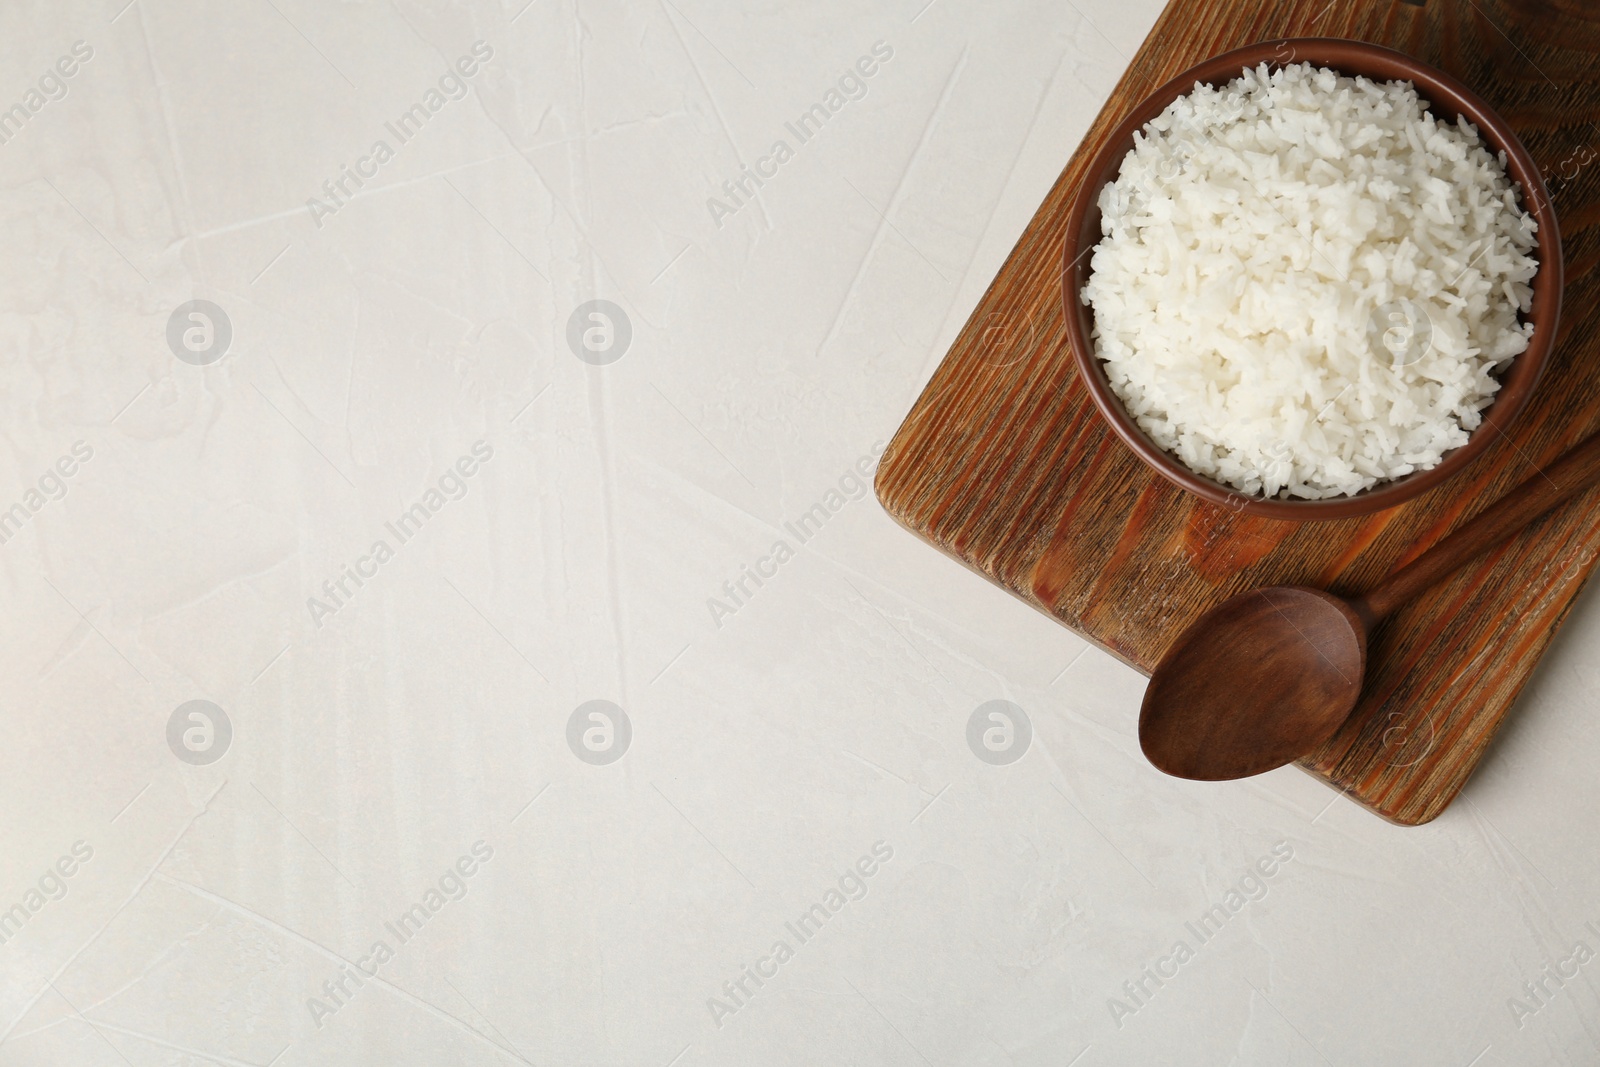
(396, 502)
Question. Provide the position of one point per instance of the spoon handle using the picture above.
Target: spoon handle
(1570, 475)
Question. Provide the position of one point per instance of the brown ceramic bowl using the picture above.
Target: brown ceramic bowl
(1447, 98)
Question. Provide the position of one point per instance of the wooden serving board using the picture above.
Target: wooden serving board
(1004, 463)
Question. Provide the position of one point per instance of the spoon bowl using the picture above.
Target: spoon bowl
(1269, 676)
(1259, 681)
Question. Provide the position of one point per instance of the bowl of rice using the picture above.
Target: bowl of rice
(1311, 278)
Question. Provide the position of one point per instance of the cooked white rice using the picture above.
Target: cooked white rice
(1307, 283)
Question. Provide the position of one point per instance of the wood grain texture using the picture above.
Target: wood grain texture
(1004, 464)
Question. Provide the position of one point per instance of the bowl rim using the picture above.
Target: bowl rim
(1447, 97)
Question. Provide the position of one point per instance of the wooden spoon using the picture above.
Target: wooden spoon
(1270, 675)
